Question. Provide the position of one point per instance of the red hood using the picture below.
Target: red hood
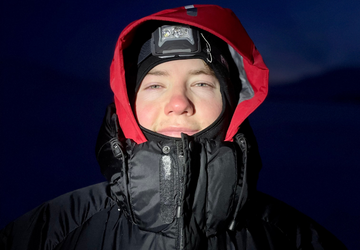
(218, 21)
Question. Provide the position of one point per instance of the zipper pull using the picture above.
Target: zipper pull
(178, 212)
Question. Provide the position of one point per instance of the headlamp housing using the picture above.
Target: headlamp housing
(175, 40)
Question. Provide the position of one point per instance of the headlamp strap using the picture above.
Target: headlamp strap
(208, 49)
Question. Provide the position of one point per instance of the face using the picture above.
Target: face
(180, 96)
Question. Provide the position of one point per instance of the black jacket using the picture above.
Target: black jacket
(175, 195)
(89, 219)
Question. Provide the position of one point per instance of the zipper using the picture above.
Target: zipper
(181, 170)
(241, 141)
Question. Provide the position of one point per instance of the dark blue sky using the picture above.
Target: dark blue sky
(54, 71)
(296, 38)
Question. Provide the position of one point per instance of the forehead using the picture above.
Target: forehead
(192, 66)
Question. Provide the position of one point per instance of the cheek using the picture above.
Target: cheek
(214, 111)
(214, 108)
(145, 114)
(210, 110)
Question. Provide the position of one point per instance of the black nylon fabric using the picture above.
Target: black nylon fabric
(208, 177)
(93, 221)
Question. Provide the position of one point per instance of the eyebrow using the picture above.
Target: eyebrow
(205, 71)
(158, 73)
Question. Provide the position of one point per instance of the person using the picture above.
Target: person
(177, 150)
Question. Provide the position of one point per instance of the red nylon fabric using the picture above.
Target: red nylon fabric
(219, 21)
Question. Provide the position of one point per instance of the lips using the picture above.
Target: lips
(176, 131)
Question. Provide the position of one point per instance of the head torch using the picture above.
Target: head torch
(171, 40)
(168, 41)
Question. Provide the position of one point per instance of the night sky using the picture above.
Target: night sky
(54, 89)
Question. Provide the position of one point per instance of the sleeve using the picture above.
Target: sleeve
(27, 232)
(272, 224)
(49, 224)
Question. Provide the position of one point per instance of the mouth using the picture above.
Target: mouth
(176, 131)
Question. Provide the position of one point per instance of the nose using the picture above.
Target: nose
(179, 104)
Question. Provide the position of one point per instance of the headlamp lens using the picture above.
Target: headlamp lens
(169, 33)
(174, 40)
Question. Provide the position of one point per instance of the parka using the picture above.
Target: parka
(178, 193)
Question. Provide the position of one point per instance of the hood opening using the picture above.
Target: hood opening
(252, 72)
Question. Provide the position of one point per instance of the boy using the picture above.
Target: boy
(178, 153)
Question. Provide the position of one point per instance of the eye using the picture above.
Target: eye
(203, 84)
(154, 86)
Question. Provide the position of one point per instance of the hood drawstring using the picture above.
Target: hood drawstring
(241, 141)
